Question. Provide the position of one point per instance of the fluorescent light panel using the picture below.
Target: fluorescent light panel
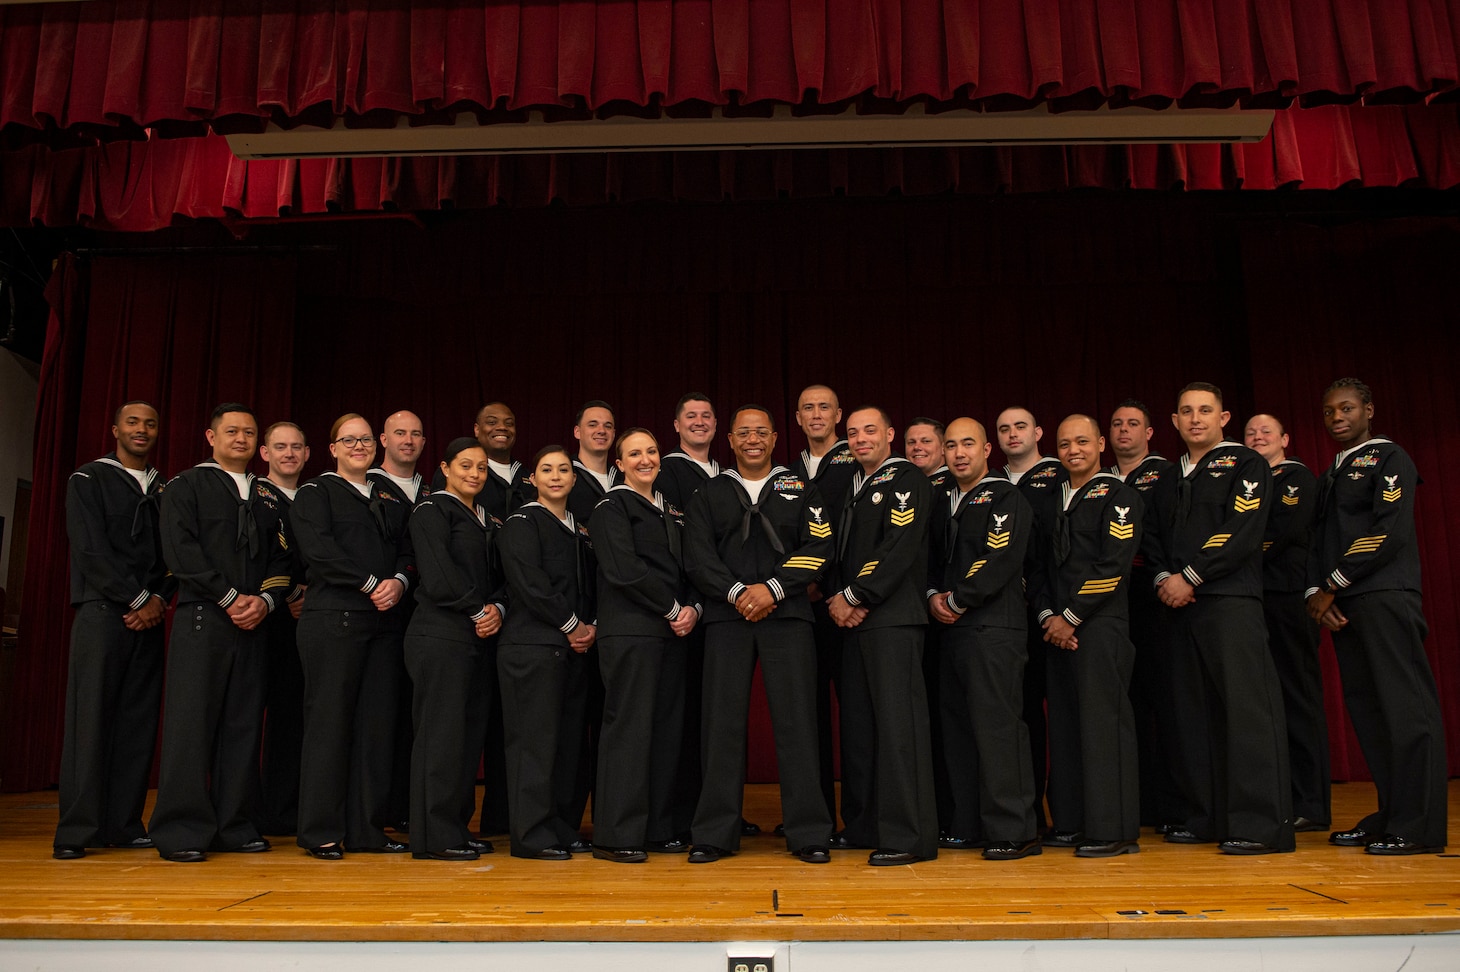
(783, 130)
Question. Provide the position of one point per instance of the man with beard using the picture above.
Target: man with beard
(120, 587)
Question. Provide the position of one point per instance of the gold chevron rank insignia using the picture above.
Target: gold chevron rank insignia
(820, 530)
(1101, 586)
(1246, 504)
(1266, 545)
(1122, 531)
(901, 518)
(1392, 494)
(1216, 540)
(283, 540)
(1365, 545)
(804, 563)
(998, 541)
(1290, 501)
(867, 568)
(977, 566)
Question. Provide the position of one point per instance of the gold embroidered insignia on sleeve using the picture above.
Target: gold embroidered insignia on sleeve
(1216, 540)
(1100, 586)
(1365, 545)
(867, 568)
(1122, 531)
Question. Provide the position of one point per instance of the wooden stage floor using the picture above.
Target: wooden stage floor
(1166, 891)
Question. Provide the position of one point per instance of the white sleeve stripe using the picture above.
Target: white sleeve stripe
(734, 592)
(228, 598)
(568, 627)
(141, 599)
(1071, 617)
(777, 590)
(1340, 580)
(1191, 576)
(369, 584)
(851, 598)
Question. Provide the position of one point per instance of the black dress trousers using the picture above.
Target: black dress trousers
(113, 696)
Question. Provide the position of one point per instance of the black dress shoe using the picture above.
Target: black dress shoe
(814, 855)
(839, 841)
(400, 826)
(779, 831)
(185, 857)
(256, 846)
(671, 846)
(389, 847)
(1068, 839)
(1166, 828)
(1392, 845)
(448, 854)
(480, 846)
(961, 843)
(327, 852)
(706, 854)
(1247, 848)
(1183, 835)
(1012, 850)
(1107, 848)
(68, 852)
(557, 853)
(748, 829)
(1302, 825)
(891, 858)
(1358, 837)
(136, 843)
(580, 846)
(621, 855)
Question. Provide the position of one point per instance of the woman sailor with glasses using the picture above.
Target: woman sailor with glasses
(352, 537)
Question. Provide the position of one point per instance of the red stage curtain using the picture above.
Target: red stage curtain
(181, 333)
(110, 68)
(1374, 301)
(956, 305)
(147, 185)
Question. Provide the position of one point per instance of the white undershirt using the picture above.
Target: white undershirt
(364, 487)
(241, 479)
(140, 475)
(813, 463)
(502, 469)
(955, 496)
(408, 486)
(285, 490)
(1014, 477)
(708, 467)
(604, 479)
(754, 487)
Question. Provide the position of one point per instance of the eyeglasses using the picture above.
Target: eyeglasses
(351, 441)
(746, 433)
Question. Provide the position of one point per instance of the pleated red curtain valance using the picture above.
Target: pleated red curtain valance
(112, 68)
(141, 186)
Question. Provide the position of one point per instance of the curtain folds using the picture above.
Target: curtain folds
(111, 68)
(181, 333)
(950, 306)
(141, 186)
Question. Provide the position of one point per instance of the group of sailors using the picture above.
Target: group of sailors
(1132, 645)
